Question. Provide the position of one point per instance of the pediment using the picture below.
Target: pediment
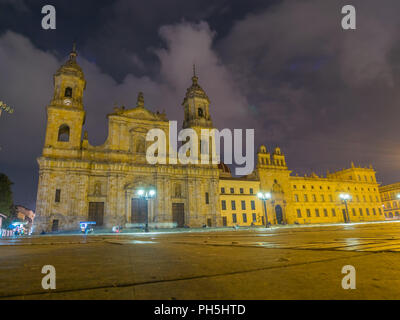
(140, 113)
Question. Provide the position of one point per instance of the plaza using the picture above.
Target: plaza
(282, 262)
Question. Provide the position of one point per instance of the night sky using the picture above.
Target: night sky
(287, 69)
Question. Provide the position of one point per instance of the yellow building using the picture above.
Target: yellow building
(239, 203)
(107, 183)
(301, 200)
(391, 202)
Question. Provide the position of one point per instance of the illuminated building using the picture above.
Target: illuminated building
(106, 183)
(391, 202)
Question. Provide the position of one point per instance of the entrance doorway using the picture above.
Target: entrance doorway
(139, 210)
(54, 226)
(96, 212)
(178, 214)
(279, 214)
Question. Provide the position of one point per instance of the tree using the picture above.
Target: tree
(6, 196)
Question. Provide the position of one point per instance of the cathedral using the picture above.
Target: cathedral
(113, 184)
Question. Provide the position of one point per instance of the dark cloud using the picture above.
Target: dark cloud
(327, 95)
(286, 68)
(26, 80)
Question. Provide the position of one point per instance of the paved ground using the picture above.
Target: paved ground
(279, 263)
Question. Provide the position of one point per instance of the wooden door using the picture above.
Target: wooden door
(178, 214)
(96, 212)
(139, 211)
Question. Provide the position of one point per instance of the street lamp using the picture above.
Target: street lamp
(147, 195)
(346, 197)
(5, 108)
(264, 196)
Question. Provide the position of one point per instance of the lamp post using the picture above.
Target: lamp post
(264, 196)
(147, 195)
(6, 108)
(346, 197)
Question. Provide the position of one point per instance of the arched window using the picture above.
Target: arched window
(68, 92)
(200, 112)
(63, 133)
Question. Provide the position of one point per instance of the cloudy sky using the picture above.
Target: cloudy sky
(285, 68)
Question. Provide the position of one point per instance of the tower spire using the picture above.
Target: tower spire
(194, 78)
(73, 53)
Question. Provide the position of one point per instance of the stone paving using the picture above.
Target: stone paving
(276, 263)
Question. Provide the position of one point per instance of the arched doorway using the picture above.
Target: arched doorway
(279, 214)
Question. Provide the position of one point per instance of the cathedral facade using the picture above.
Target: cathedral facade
(113, 184)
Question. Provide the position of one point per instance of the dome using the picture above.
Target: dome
(277, 151)
(262, 149)
(71, 67)
(195, 90)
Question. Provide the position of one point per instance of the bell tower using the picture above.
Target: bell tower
(65, 113)
(196, 106)
(197, 117)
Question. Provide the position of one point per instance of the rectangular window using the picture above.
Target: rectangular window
(58, 195)
(314, 198)
(243, 205)
(305, 198)
(254, 217)
(325, 212)
(308, 213)
(251, 190)
(374, 211)
(223, 205)
(222, 190)
(207, 198)
(367, 211)
(232, 190)
(298, 213)
(317, 212)
(333, 213)
(234, 220)
(241, 190)
(380, 211)
(361, 212)
(354, 212)
(330, 198)
(322, 198)
(233, 204)
(253, 205)
(296, 198)
(244, 217)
